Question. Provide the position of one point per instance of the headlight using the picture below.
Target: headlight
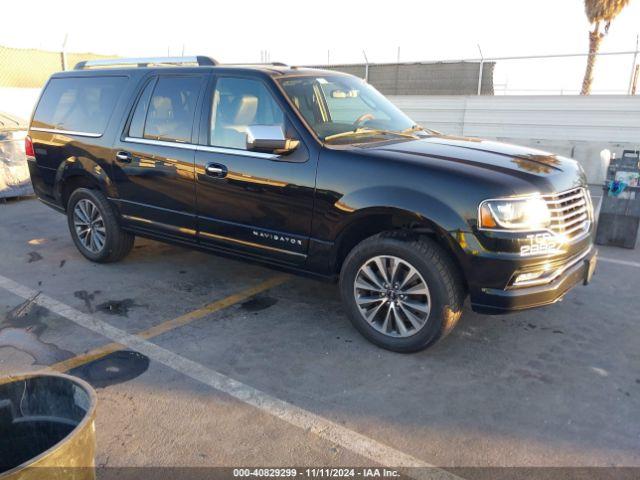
(523, 214)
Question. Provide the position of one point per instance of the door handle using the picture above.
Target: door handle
(215, 170)
(123, 156)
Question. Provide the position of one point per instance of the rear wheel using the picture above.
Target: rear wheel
(94, 228)
(402, 293)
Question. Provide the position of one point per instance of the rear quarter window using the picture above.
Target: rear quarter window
(79, 104)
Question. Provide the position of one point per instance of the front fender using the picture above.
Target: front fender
(451, 222)
(422, 204)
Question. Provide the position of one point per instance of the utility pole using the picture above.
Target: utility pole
(63, 53)
(480, 71)
(633, 68)
(366, 66)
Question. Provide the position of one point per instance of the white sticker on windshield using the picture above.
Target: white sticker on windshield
(322, 80)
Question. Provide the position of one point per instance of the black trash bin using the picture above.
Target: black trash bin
(620, 209)
(47, 428)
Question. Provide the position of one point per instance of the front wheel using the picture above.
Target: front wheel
(94, 227)
(401, 293)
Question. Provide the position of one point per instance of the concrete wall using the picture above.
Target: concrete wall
(573, 126)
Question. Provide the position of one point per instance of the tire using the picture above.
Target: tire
(434, 310)
(106, 242)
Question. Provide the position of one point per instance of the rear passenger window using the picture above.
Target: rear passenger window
(80, 104)
(171, 109)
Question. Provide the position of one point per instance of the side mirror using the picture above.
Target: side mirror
(269, 138)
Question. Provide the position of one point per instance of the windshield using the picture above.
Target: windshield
(345, 109)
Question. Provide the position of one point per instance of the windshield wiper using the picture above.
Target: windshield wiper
(420, 128)
(371, 131)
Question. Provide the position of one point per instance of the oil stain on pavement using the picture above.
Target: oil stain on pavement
(117, 367)
(22, 328)
(87, 298)
(258, 303)
(34, 257)
(118, 307)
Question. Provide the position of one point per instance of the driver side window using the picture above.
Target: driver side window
(237, 104)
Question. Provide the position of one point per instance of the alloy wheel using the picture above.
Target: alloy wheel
(392, 296)
(89, 225)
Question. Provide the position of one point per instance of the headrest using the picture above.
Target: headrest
(161, 107)
(247, 107)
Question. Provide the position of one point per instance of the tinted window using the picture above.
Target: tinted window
(79, 104)
(237, 104)
(172, 108)
(136, 128)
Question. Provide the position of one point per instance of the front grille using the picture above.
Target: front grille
(571, 213)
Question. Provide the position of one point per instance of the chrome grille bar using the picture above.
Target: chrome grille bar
(570, 213)
(566, 199)
(568, 207)
(562, 218)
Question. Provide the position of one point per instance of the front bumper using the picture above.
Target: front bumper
(578, 269)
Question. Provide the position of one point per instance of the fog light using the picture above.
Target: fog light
(527, 277)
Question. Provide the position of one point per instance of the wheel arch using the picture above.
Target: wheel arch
(76, 173)
(375, 220)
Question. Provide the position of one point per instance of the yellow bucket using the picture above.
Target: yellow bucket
(47, 427)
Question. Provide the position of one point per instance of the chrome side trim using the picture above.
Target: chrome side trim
(67, 132)
(233, 151)
(202, 148)
(146, 205)
(250, 244)
(187, 231)
(160, 143)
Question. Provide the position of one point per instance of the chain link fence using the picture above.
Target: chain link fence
(424, 78)
(522, 75)
(31, 68)
(560, 74)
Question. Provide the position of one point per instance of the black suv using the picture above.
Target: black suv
(316, 172)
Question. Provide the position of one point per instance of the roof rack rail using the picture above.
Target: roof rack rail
(266, 64)
(146, 61)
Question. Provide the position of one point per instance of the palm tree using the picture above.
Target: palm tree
(598, 12)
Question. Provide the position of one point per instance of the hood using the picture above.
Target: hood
(528, 164)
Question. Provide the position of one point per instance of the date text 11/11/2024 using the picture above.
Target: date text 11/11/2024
(316, 472)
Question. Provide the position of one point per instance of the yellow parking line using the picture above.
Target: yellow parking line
(91, 355)
(171, 324)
